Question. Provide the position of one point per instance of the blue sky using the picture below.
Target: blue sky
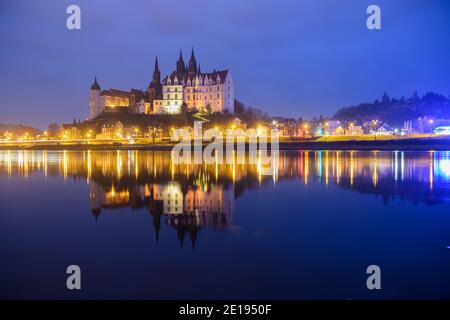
(288, 57)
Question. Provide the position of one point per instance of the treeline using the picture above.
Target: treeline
(251, 116)
(396, 111)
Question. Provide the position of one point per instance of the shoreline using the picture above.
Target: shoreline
(411, 144)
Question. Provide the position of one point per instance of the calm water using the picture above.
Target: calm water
(141, 227)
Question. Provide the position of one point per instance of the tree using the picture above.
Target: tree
(53, 129)
(385, 99)
(239, 107)
(184, 113)
(184, 108)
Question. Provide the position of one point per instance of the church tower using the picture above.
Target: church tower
(154, 90)
(94, 100)
(192, 63)
(181, 68)
(156, 73)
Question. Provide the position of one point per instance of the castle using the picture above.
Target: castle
(185, 87)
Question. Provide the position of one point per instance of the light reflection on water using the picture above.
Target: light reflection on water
(327, 166)
(188, 198)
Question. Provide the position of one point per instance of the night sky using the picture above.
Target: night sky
(288, 57)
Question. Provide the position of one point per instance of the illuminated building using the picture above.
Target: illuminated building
(111, 130)
(187, 85)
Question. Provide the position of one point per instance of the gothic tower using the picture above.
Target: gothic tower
(181, 68)
(156, 73)
(192, 63)
(154, 90)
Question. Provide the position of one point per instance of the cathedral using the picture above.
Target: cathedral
(185, 87)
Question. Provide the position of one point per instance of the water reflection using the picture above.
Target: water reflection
(188, 197)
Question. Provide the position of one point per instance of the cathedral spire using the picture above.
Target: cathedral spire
(192, 63)
(180, 64)
(95, 85)
(156, 64)
(156, 72)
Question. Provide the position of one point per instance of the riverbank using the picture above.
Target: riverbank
(404, 144)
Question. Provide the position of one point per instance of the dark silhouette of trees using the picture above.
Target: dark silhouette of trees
(239, 107)
(396, 111)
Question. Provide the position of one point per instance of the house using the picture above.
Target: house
(332, 126)
(155, 134)
(286, 127)
(384, 130)
(353, 130)
(111, 129)
(237, 123)
(339, 131)
(70, 131)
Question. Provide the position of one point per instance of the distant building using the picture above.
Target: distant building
(353, 130)
(444, 130)
(286, 127)
(111, 129)
(339, 131)
(70, 131)
(384, 129)
(332, 126)
(186, 86)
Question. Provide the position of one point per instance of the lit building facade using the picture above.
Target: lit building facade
(185, 87)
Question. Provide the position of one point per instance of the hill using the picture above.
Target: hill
(19, 129)
(396, 111)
